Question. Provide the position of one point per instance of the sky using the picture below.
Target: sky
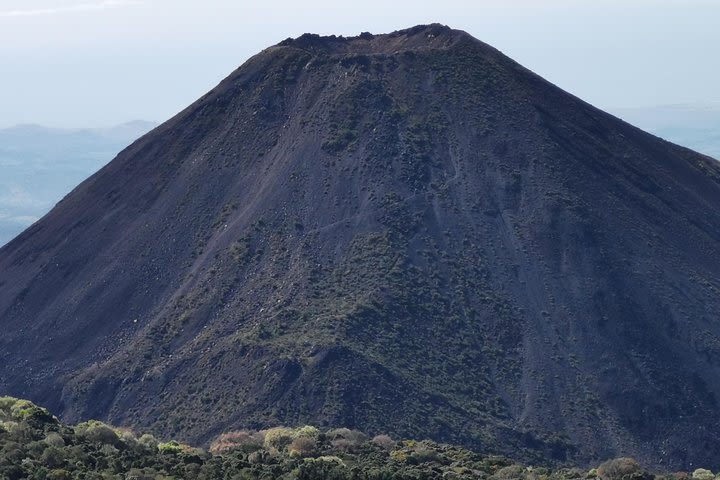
(96, 63)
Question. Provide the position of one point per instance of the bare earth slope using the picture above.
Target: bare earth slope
(407, 233)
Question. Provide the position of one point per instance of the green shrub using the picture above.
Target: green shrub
(54, 439)
(399, 455)
(278, 438)
(26, 410)
(98, 432)
(384, 441)
(53, 457)
(346, 440)
(618, 468)
(59, 474)
(240, 440)
(6, 404)
(170, 448)
(325, 468)
(302, 447)
(511, 472)
(307, 431)
(703, 474)
(335, 433)
(423, 454)
(259, 457)
(148, 441)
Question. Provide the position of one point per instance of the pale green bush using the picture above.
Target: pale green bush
(703, 474)
(53, 439)
(307, 431)
(278, 438)
(98, 432)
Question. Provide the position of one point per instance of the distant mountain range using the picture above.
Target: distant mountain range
(40, 165)
(695, 126)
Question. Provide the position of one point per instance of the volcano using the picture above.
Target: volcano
(406, 233)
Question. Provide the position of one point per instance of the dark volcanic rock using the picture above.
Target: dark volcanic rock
(405, 233)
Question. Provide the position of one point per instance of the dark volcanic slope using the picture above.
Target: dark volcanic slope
(407, 233)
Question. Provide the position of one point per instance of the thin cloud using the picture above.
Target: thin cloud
(78, 7)
(23, 220)
(18, 197)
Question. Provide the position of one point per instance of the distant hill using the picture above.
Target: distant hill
(40, 165)
(407, 234)
(695, 126)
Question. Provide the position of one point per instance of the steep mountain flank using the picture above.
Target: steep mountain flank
(404, 233)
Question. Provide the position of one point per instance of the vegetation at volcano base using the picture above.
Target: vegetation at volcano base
(36, 445)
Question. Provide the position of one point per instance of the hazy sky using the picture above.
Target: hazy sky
(101, 62)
